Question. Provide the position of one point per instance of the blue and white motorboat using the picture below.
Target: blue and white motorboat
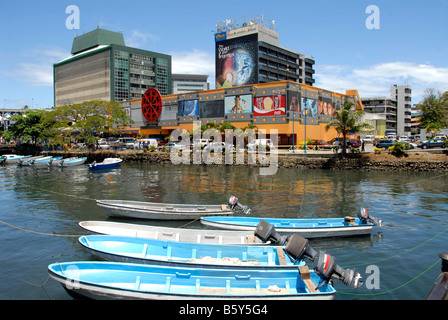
(196, 235)
(12, 158)
(35, 161)
(56, 162)
(107, 163)
(112, 280)
(308, 228)
(185, 254)
(72, 162)
(44, 161)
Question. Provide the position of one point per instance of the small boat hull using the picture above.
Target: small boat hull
(108, 163)
(12, 158)
(74, 162)
(213, 236)
(160, 211)
(307, 228)
(111, 280)
(182, 254)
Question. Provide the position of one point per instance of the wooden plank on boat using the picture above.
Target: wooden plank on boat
(350, 220)
(305, 274)
(281, 256)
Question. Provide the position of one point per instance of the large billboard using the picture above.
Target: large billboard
(241, 103)
(237, 61)
(211, 109)
(269, 106)
(188, 108)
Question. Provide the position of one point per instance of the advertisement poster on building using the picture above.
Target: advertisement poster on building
(238, 104)
(269, 106)
(236, 61)
(294, 101)
(309, 107)
(188, 108)
(211, 109)
(325, 107)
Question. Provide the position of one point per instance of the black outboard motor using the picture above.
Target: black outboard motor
(325, 265)
(234, 203)
(266, 232)
(364, 216)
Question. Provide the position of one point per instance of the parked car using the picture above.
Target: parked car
(202, 142)
(145, 143)
(348, 143)
(368, 138)
(126, 143)
(409, 143)
(102, 144)
(433, 143)
(254, 144)
(174, 146)
(219, 147)
(385, 143)
(319, 143)
(355, 143)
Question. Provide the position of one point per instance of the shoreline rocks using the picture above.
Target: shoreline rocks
(360, 162)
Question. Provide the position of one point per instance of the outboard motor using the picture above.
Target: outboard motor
(234, 203)
(324, 264)
(364, 216)
(266, 232)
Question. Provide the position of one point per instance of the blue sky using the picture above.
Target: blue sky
(410, 46)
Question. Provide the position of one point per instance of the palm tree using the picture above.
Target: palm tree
(347, 120)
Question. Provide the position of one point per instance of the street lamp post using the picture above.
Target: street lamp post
(293, 132)
(306, 111)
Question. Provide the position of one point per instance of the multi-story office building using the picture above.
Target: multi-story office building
(396, 110)
(247, 51)
(383, 108)
(189, 82)
(403, 96)
(102, 67)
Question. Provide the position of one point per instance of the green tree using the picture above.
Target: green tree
(346, 120)
(88, 119)
(433, 109)
(32, 126)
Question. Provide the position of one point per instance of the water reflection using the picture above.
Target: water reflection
(413, 207)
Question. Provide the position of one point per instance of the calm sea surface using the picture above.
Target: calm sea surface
(40, 209)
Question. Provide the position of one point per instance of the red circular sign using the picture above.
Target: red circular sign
(151, 105)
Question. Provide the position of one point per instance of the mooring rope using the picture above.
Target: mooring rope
(55, 192)
(394, 289)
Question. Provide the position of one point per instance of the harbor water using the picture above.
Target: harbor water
(40, 209)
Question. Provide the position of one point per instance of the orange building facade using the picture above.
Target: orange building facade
(296, 111)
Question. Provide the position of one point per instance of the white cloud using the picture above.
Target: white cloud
(138, 39)
(376, 80)
(39, 72)
(194, 62)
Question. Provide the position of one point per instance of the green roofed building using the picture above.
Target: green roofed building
(102, 67)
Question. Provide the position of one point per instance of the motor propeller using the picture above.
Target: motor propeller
(234, 203)
(364, 216)
(297, 247)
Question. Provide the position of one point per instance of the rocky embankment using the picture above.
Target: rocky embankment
(414, 161)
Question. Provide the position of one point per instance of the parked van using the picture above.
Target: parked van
(145, 143)
(127, 143)
(254, 144)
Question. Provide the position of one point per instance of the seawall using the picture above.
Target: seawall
(364, 162)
